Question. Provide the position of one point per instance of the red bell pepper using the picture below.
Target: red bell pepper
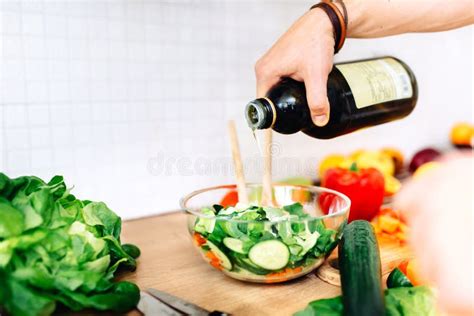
(364, 187)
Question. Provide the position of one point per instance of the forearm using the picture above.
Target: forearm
(377, 18)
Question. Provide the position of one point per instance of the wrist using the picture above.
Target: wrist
(355, 15)
(321, 22)
(337, 19)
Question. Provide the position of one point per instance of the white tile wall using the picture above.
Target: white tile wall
(129, 98)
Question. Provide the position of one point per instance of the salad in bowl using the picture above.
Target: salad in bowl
(266, 244)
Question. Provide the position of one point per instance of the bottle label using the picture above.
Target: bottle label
(377, 81)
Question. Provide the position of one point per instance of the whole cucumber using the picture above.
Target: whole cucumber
(360, 269)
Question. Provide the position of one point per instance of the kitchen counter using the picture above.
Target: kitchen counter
(169, 262)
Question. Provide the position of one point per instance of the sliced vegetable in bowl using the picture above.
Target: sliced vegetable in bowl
(268, 244)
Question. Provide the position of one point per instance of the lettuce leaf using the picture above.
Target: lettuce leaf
(58, 250)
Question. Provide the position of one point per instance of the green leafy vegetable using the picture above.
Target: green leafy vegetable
(295, 209)
(132, 250)
(401, 301)
(324, 307)
(59, 250)
(408, 301)
(237, 230)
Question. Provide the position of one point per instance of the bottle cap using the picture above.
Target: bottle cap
(260, 114)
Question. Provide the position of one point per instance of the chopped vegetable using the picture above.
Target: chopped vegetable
(397, 278)
(230, 199)
(58, 250)
(365, 188)
(270, 255)
(388, 224)
(275, 243)
(218, 257)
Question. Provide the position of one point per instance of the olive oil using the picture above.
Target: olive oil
(361, 94)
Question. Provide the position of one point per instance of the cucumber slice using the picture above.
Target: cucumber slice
(225, 262)
(245, 263)
(232, 229)
(270, 254)
(252, 267)
(235, 244)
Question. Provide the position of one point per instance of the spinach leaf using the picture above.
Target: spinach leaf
(295, 209)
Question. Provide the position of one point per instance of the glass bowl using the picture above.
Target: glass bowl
(267, 251)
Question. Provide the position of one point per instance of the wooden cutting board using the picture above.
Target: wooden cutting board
(169, 262)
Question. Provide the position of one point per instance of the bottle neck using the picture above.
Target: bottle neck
(260, 114)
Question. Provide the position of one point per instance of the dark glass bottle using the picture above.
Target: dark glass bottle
(361, 94)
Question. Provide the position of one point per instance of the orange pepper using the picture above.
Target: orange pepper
(388, 224)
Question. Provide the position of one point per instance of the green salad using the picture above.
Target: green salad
(59, 251)
(263, 243)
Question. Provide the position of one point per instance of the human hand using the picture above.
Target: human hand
(304, 53)
(439, 208)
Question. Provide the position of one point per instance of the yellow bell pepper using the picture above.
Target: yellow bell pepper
(376, 159)
(331, 161)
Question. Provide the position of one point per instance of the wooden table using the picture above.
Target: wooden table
(169, 262)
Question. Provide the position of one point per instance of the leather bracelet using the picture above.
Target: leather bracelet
(344, 11)
(337, 21)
